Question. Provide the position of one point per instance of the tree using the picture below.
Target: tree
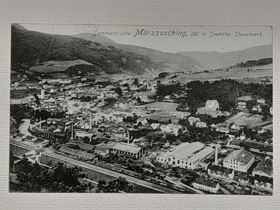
(118, 90)
(115, 186)
(86, 140)
(37, 100)
(34, 178)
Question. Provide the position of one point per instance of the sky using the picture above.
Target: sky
(171, 38)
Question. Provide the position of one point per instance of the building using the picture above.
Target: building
(239, 160)
(263, 174)
(219, 171)
(242, 102)
(186, 155)
(128, 150)
(47, 134)
(197, 158)
(101, 149)
(23, 100)
(206, 185)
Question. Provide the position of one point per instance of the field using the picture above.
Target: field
(245, 119)
(161, 106)
(240, 74)
(56, 66)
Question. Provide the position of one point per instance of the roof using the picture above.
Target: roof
(126, 147)
(86, 147)
(78, 153)
(265, 167)
(201, 154)
(184, 150)
(101, 147)
(242, 156)
(244, 98)
(212, 104)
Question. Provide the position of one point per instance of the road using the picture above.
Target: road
(98, 169)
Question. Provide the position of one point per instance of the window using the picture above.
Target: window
(178, 161)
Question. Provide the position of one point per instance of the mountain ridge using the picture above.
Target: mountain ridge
(215, 60)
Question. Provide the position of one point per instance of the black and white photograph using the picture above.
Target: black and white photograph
(141, 109)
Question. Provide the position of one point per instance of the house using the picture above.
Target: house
(239, 160)
(212, 105)
(206, 185)
(193, 120)
(200, 125)
(101, 149)
(23, 100)
(242, 102)
(219, 171)
(142, 120)
(261, 101)
(257, 108)
(155, 126)
(211, 108)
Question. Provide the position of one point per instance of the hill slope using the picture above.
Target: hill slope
(30, 48)
(175, 62)
(215, 60)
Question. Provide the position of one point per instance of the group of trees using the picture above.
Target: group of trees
(20, 112)
(87, 98)
(131, 119)
(115, 186)
(164, 90)
(34, 178)
(225, 92)
(259, 62)
(43, 114)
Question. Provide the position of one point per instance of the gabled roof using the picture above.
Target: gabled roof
(264, 167)
(184, 150)
(126, 147)
(242, 156)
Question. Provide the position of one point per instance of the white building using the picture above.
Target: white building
(186, 155)
(239, 160)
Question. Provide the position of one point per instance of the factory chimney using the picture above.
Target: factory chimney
(42, 93)
(216, 155)
(128, 136)
(90, 125)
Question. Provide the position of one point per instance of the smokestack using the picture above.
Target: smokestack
(72, 132)
(90, 126)
(42, 93)
(216, 155)
(128, 137)
(40, 122)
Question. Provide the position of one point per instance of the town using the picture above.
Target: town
(203, 137)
